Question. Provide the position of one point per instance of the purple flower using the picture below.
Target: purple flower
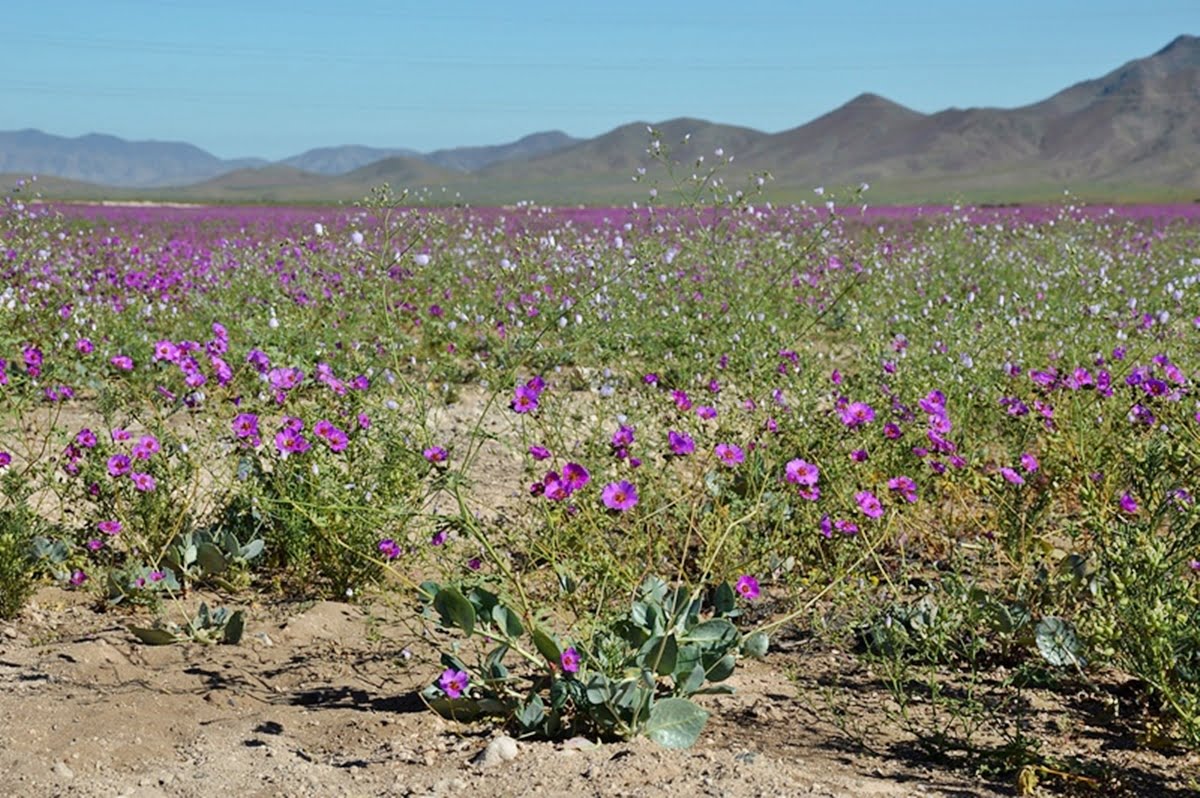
(245, 425)
(77, 578)
(389, 548)
(825, 527)
(5, 459)
(145, 448)
(747, 587)
(539, 452)
(1127, 503)
(525, 399)
(846, 527)
(706, 412)
(575, 477)
(801, 472)
(95, 544)
(109, 527)
(619, 496)
(85, 438)
(288, 442)
(1012, 476)
(869, 503)
(569, 660)
(857, 414)
(435, 454)
(454, 683)
(84, 346)
(904, 486)
(730, 454)
(143, 481)
(118, 465)
(680, 443)
(1029, 463)
(439, 537)
(123, 362)
(859, 455)
(623, 437)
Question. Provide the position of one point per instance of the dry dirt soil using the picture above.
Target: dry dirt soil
(319, 699)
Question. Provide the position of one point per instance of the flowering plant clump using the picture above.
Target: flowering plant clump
(903, 425)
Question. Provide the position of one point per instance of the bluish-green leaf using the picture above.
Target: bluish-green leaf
(455, 609)
(675, 723)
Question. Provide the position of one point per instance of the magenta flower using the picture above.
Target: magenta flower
(825, 527)
(1029, 463)
(143, 481)
(730, 454)
(747, 587)
(846, 527)
(77, 578)
(337, 440)
(94, 544)
(109, 527)
(525, 399)
(575, 476)
(118, 435)
(454, 683)
(85, 438)
(680, 443)
(869, 503)
(1127, 503)
(569, 660)
(389, 548)
(539, 452)
(619, 496)
(859, 455)
(291, 442)
(1012, 476)
(904, 486)
(435, 454)
(623, 437)
(5, 459)
(706, 412)
(145, 448)
(801, 472)
(245, 425)
(857, 414)
(681, 400)
(123, 362)
(118, 465)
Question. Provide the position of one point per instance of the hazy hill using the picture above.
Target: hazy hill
(108, 160)
(340, 160)
(1132, 133)
(472, 159)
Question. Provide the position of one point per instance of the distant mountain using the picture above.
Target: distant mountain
(622, 150)
(1133, 133)
(340, 160)
(108, 160)
(472, 159)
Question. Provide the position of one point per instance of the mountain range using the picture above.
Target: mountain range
(1132, 134)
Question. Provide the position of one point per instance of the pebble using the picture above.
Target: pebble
(501, 749)
(63, 771)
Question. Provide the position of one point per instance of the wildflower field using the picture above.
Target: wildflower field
(592, 469)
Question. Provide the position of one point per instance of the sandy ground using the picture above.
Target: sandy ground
(319, 699)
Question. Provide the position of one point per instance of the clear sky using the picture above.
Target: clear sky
(272, 78)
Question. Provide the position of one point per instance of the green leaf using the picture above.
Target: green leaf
(234, 628)
(507, 621)
(675, 723)
(716, 633)
(724, 602)
(598, 690)
(660, 654)
(455, 610)
(1057, 643)
(546, 646)
(252, 549)
(693, 682)
(210, 559)
(722, 669)
(154, 637)
(756, 645)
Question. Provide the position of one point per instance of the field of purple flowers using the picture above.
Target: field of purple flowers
(610, 454)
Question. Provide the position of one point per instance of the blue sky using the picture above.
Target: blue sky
(277, 77)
